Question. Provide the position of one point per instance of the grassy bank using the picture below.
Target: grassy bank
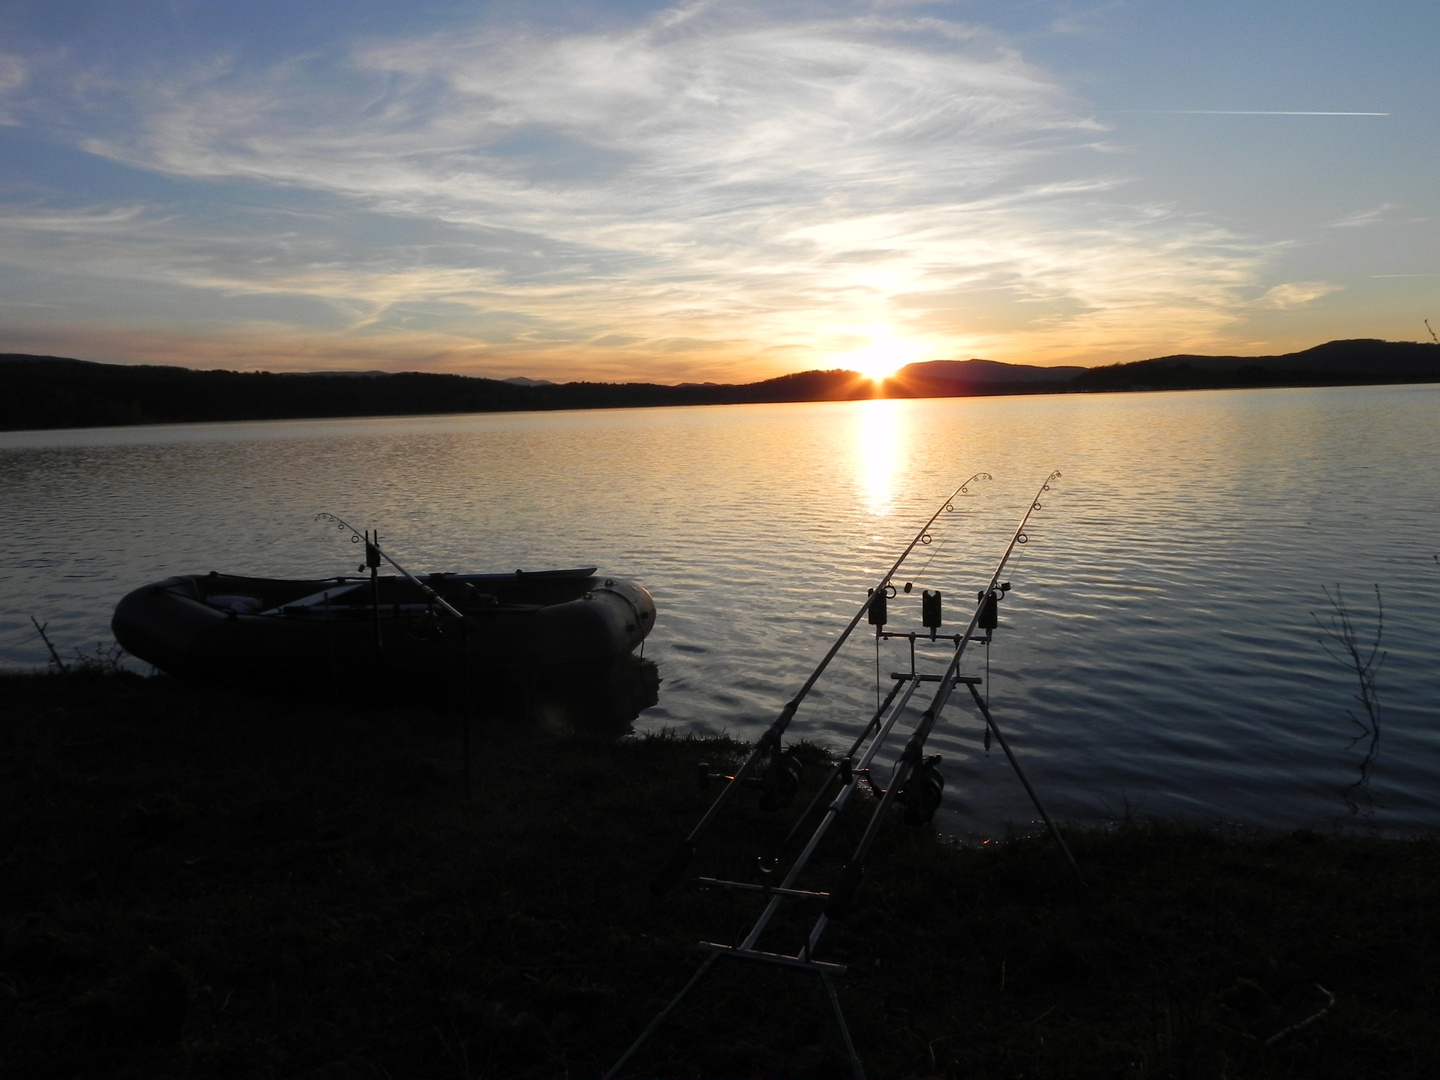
(200, 883)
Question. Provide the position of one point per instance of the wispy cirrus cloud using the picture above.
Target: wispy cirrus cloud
(13, 72)
(703, 195)
(1362, 218)
(1295, 294)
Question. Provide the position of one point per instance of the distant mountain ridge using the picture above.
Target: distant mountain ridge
(51, 391)
(958, 378)
(988, 371)
(1357, 361)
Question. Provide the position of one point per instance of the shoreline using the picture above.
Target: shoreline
(42, 393)
(197, 882)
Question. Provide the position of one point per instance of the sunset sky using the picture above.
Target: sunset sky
(712, 191)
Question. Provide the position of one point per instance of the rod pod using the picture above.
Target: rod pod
(915, 784)
(674, 865)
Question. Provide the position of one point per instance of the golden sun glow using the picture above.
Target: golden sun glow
(877, 453)
(881, 358)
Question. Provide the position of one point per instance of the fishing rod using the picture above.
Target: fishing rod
(912, 758)
(987, 598)
(674, 866)
(374, 546)
(774, 895)
(373, 554)
(912, 762)
(921, 801)
(834, 775)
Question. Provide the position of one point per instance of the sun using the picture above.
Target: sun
(881, 359)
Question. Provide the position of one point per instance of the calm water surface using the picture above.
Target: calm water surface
(1158, 655)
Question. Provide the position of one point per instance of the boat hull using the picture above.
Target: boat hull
(565, 624)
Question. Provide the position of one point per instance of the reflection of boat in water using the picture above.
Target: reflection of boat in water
(536, 627)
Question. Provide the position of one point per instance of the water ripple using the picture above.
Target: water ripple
(1159, 652)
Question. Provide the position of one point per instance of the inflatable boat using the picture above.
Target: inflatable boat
(539, 625)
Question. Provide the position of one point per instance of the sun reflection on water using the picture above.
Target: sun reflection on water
(877, 453)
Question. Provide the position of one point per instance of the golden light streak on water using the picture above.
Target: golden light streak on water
(877, 454)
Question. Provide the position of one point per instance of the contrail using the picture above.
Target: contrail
(1241, 112)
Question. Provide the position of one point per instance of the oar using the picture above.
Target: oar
(674, 866)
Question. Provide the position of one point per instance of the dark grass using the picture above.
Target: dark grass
(202, 883)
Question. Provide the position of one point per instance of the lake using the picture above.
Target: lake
(1159, 654)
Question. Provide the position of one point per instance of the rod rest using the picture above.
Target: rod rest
(971, 680)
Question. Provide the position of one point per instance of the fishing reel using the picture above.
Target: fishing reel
(921, 798)
(427, 627)
(778, 784)
(921, 794)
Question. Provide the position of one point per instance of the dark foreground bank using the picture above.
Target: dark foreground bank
(197, 883)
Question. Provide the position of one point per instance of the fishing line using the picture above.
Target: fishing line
(917, 576)
(987, 693)
(877, 671)
(913, 781)
(1023, 542)
(920, 573)
(768, 744)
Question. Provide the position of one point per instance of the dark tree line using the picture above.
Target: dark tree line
(51, 392)
(54, 392)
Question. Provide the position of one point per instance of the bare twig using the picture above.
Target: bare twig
(54, 655)
(1342, 643)
(104, 660)
(1329, 1004)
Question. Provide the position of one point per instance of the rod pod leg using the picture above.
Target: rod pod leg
(857, 1070)
(695, 979)
(1015, 764)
